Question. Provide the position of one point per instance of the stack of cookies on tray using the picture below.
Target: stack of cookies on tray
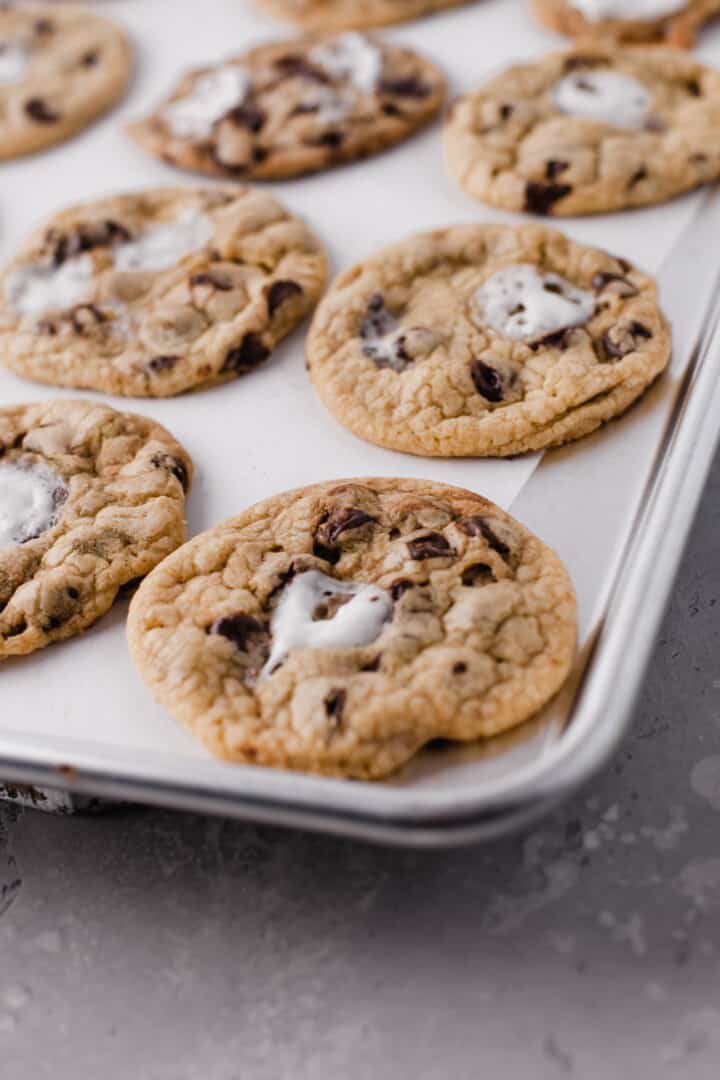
(340, 627)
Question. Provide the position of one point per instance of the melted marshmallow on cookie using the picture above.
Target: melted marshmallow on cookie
(604, 95)
(28, 502)
(351, 56)
(521, 303)
(596, 10)
(212, 97)
(163, 245)
(357, 622)
(36, 289)
(14, 61)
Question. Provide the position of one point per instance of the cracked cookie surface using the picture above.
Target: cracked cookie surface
(60, 68)
(485, 341)
(293, 107)
(159, 291)
(587, 131)
(90, 500)
(674, 22)
(348, 14)
(338, 628)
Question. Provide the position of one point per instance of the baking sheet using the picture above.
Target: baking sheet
(266, 433)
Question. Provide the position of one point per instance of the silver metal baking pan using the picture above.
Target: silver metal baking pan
(76, 723)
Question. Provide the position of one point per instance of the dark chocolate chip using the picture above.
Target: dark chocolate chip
(540, 198)
(554, 167)
(174, 466)
(279, 292)
(39, 111)
(556, 339)
(85, 316)
(163, 363)
(16, 630)
(43, 26)
(637, 176)
(572, 63)
(90, 59)
(391, 109)
(338, 522)
(248, 116)
(506, 111)
(378, 320)
(411, 87)
(335, 705)
(330, 555)
(624, 338)
(479, 526)
(693, 87)
(488, 382)
(248, 354)
(372, 665)
(477, 574)
(460, 668)
(239, 629)
(431, 546)
(291, 66)
(84, 238)
(332, 139)
(399, 587)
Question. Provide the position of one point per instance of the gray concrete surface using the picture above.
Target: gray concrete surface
(159, 946)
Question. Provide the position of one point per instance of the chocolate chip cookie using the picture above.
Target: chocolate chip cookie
(159, 291)
(338, 628)
(60, 68)
(294, 107)
(349, 14)
(485, 341)
(591, 130)
(90, 500)
(630, 21)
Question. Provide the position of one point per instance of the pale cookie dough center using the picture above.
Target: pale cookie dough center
(211, 98)
(28, 502)
(34, 289)
(163, 245)
(363, 611)
(521, 303)
(628, 10)
(351, 56)
(604, 95)
(14, 62)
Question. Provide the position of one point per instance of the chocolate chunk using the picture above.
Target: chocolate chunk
(506, 111)
(239, 629)
(372, 665)
(340, 521)
(431, 546)
(330, 555)
(624, 289)
(572, 63)
(39, 111)
(488, 382)
(335, 705)
(331, 139)
(248, 354)
(460, 668)
(411, 86)
(279, 292)
(391, 109)
(378, 320)
(556, 339)
(85, 237)
(540, 198)
(292, 66)
(163, 363)
(16, 630)
(477, 574)
(693, 87)
(479, 526)
(637, 176)
(554, 167)
(248, 116)
(399, 587)
(90, 59)
(174, 466)
(624, 338)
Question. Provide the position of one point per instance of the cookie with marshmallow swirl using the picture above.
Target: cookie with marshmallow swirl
(631, 22)
(90, 500)
(293, 107)
(485, 341)
(338, 628)
(587, 131)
